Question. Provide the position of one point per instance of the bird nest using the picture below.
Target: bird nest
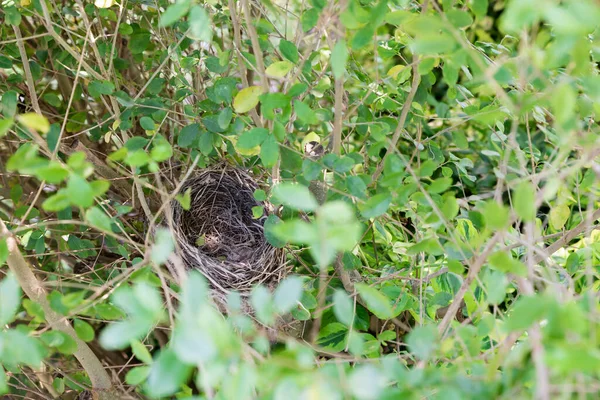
(220, 236)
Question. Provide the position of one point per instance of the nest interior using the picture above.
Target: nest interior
(219, 236)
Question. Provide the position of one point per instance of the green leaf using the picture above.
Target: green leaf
(339, 57)
(496, 215)
(189, 135)
(459, 18)
(80, 192)
(343, 307)
(288, 294)
(3, 385)
(5, 125)
(559, 216)
(269, 151)
(305, 113)
(289, 50)
(262, 302)
(502, 261)
(84, 330)
(10, 294)
(163, 246)
(309, 19)
(185, 199)
(161, 151)
(99, 88)
(35, 122)
(423, 341)
(367, 382)
(279, 69)
(247, 99)
(57, 202)
(252, 138)
(564, 101)
(141, 352)
(53, 172)
(377, 302)
(98, 218)
(524, 201)
(526, 311)
(479, 7)
(3, 251)
(333, 336)
(60, 340)
(433, 44)
(137, 375)
(174, 13)
(270, 227)
(295, 196)
(147, 124)
(376, 205)
(200, 24)
(167, 374)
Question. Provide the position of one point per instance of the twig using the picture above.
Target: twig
(28, 76)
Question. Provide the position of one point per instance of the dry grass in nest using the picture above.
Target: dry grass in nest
(219, 236)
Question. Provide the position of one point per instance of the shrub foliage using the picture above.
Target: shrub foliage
(432, 167)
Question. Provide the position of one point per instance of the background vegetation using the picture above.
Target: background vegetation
(455, 255)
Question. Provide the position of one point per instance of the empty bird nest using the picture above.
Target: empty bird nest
(220, 236)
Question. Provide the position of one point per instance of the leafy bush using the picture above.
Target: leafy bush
(433, 171)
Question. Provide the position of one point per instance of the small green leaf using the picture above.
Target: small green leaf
(137, 375)
(141, 352)
(84, 330)
(247, 99)
(252, 138)
(289, 50)
(99, 88)
(288, 294)
(502, 261)
(53, 172)
(343, 307)
(339, 57)
(526, 311)
(296, 231)
(35, 122)
(10, 293)
(163, 246)
(167, 374)
(262, 302)
(305, 113)
(5, 125)
(174, 13)
(496, 215)
(189, 135)
(200, 26)
(559, 215)
(479, 7)
(423, 341)
(80, 192)
(295, 196)
(524, 201)
(279, 69)
(57, 202)
(147, 124)
(269, 151)
(377, 302)
(185, 199)
(376, 205)
(98, 218)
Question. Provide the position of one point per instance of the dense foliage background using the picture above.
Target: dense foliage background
(453, 256)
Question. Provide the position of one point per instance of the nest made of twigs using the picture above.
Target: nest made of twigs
(219, 235)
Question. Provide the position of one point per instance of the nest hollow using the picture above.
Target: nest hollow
(219, 235)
